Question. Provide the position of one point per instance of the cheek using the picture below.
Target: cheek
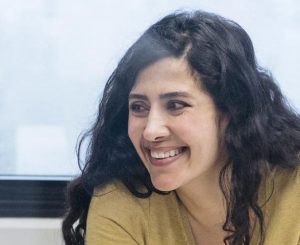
(134, 130)
(200, 134)
(131, 130)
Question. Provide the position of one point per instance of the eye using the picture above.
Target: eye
(174, 105)
(138, 108)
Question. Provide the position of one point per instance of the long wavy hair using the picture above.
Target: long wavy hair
(263, 130)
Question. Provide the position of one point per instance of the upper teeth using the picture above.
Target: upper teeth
(159, 154)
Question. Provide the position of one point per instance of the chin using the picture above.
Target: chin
(163, 185)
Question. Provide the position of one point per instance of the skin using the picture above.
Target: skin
(169, 110)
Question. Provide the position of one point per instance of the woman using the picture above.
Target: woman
(194, 144)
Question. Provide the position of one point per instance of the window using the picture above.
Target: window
(55, 58)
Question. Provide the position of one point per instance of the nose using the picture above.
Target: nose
(156, 128)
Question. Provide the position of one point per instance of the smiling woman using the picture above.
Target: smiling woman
(194, 144)
(165, 104)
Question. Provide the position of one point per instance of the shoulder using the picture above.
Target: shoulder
(287, 181)
(282, 207)
(283, 186)
(115, 216)
(115, 191)
(118, 217)
(115, 201)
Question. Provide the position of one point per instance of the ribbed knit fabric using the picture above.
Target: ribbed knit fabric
(116, 217)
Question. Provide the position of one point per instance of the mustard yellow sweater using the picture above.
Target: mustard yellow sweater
(117, 217)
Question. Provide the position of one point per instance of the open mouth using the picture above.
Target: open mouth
(163, 158)
(166, 154)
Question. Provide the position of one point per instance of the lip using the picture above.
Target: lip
(160, 148)
(165, 161)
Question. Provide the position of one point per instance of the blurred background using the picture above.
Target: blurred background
(56, 55)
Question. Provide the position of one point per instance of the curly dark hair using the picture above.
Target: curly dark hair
(263, 130)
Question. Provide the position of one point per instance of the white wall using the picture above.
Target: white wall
(30, 231)
(57, 55)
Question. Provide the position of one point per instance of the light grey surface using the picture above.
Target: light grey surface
(57, 55)
(30, 231)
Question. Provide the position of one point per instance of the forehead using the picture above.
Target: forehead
(166, 74)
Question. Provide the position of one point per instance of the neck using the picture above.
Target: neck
(204, 200)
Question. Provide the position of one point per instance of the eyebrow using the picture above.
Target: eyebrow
(137, 96)
(174, 95)
(162, 96)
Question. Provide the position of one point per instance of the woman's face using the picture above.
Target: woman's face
(174, 125)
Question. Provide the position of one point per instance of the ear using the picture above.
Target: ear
(223, 121)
